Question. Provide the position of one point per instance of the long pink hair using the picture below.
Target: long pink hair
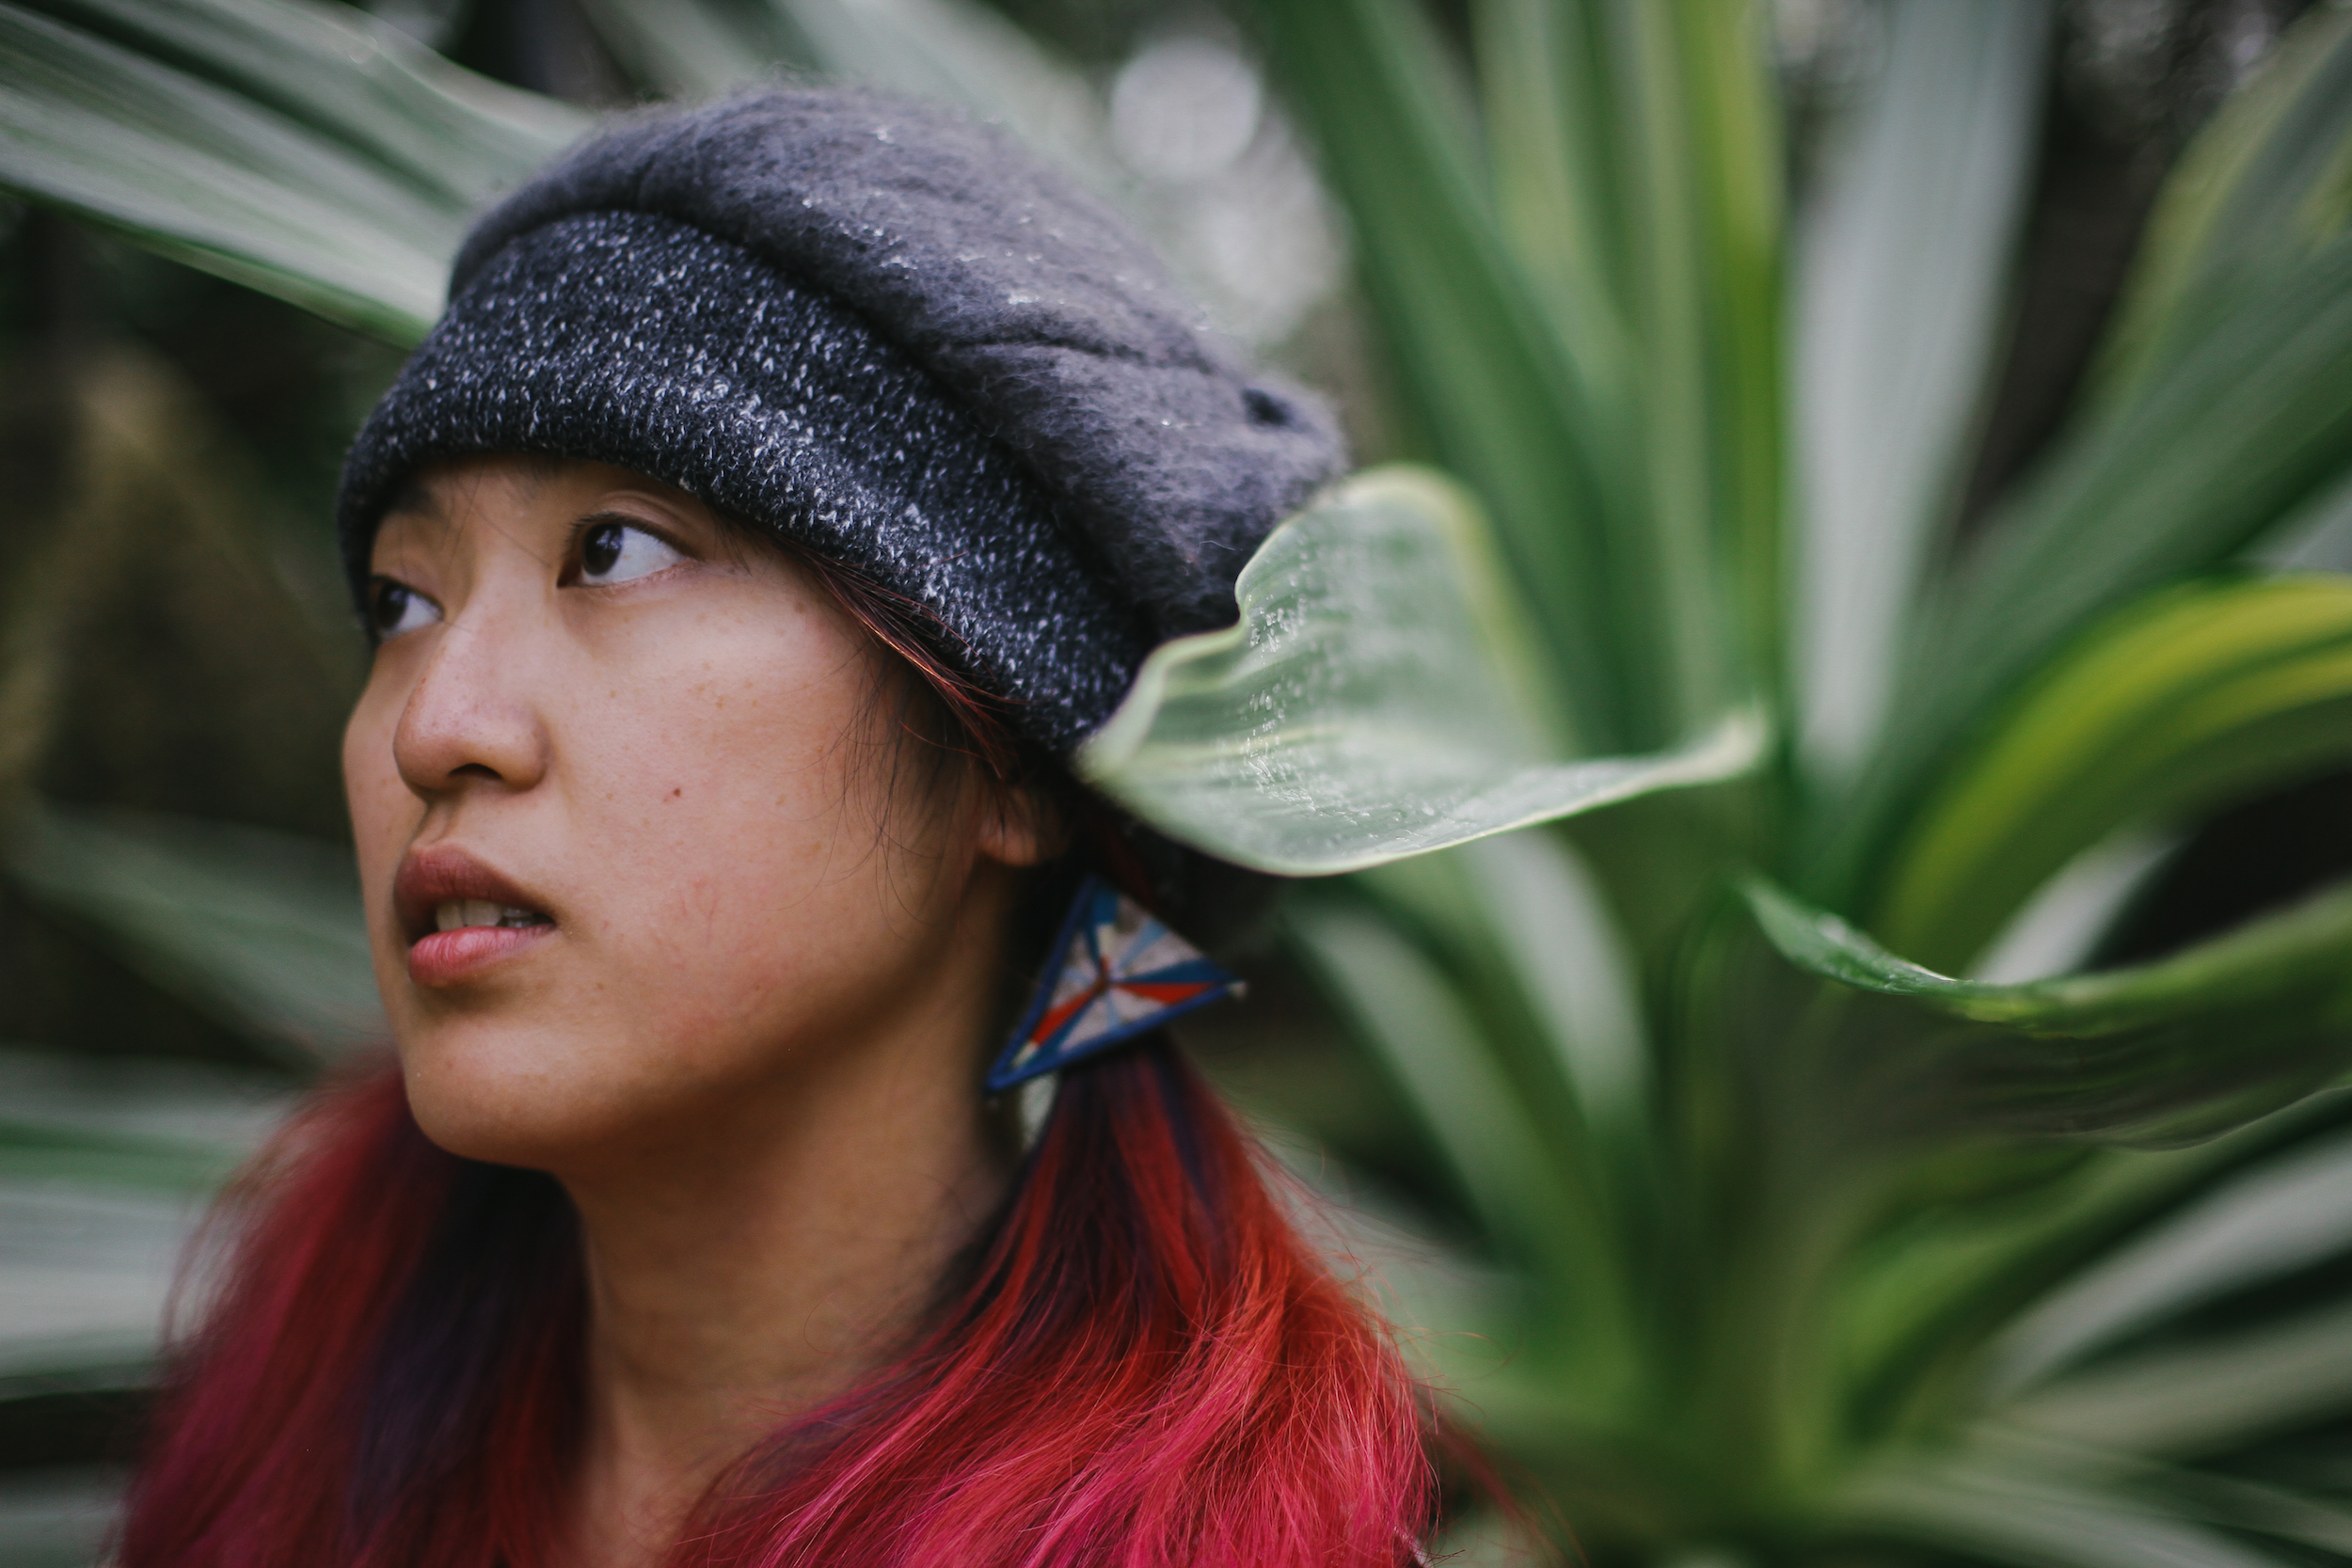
(1146, 1366)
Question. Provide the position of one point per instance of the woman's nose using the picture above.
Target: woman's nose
(469, 716)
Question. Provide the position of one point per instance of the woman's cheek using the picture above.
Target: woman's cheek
(727, 910)
(743, 954)
(383, 813)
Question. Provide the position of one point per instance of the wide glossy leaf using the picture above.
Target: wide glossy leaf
(1376, 698)
(2167, 1052)
(260, 928)
(302, 150)
(1905, 257)
(2207, 692)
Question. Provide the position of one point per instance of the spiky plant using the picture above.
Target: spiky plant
(1795, 1246)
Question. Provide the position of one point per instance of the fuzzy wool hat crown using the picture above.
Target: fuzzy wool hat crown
(885, 332)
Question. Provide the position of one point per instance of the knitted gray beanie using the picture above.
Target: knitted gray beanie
(885, 332)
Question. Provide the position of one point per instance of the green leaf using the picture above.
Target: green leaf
(2205, 692)
(2238, 429)
(338, 72)
(953, 52)
(76, 1155)
(104, 1167)
(1525, 935)
(89, 1268)
(1376, 698)
(1728, 90)
(690, 49)
(946, 51)
(1920, 1301)
(1545, 917)
(1545, 87)
(1483, 370)
(1637, 184)
(94, 1122)
(2037, 1517)
(2270, 178)
(2211, 1395)
(49, 1519)
(2227, 410)
(1905, 265)
(308, 153)
(2271, 1509)
(1429, 1041)
(2164, 1052)
(262, 930)
(1536, 1210)
(1700, 181)
(2282, 1215)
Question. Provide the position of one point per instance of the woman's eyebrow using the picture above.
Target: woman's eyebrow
(415, 498)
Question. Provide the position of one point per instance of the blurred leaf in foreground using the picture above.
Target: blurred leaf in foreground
(259, 927)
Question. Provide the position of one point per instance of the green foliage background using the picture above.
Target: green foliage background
(1865, 1127)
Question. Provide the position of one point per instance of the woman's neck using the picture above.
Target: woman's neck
(759, 1264)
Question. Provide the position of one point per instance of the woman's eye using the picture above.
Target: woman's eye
(616, 552)
(398, 608)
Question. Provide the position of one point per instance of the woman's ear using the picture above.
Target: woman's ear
(1021, 827)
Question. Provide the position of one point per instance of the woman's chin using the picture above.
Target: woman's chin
(502, 1103)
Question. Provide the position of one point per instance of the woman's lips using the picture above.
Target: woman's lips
(462, 915)
(444, 958)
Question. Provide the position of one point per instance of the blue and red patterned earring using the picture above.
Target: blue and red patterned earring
(1115, 971)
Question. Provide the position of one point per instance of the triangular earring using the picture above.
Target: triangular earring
(1115, 971)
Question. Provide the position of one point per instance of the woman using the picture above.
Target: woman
(790, 485)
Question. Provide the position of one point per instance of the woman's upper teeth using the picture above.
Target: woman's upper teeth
(453, 915)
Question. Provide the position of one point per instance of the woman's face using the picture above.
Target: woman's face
(623, 797)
